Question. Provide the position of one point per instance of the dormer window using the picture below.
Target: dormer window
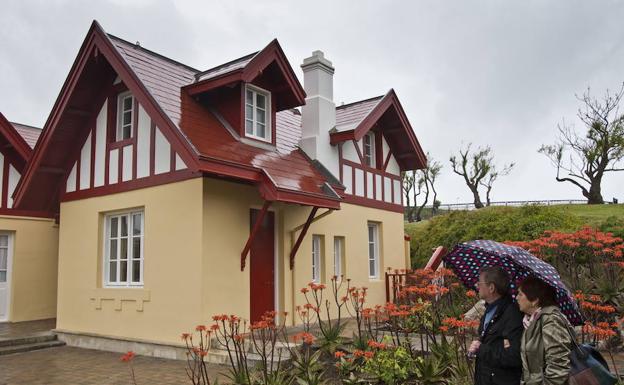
(125, 115)
(369, 149)
(257, 113)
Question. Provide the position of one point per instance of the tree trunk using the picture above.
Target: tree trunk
(594, 196)
(410, 211)
(477, 199)
(487, 196)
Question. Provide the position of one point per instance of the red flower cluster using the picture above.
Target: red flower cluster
(128, 356)
(307, 338)
(602, 330)
(377, 345)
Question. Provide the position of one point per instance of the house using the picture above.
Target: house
(28, 239)
(184, 193)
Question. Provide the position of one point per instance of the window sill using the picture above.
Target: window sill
(138, 295)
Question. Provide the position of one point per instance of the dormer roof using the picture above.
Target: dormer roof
(386, 116)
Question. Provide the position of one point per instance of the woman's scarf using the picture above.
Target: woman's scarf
(526, 321)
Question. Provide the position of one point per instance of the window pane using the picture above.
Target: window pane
(136, 271)
(371, 236)
(127, 132)
(127, 103)
(123, 272)
(136, 224)
(260, 101)
(3, 276)
(249, 99)
(113, 226)
(113, 250)
(3, 259)
(260, 116)
(371, 267)
(127, 118)
(4, 240)
(261, 130)
(248, 112)
(112, 271)
(124, 226)
(371, 250)
(123, 253)
(136, 248)
(249, 127)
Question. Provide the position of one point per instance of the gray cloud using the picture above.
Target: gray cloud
(489, 72)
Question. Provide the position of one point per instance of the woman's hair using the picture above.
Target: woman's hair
(534, 288)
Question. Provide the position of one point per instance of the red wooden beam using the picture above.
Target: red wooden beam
(301, 235)
(436, 258)
(254, 230)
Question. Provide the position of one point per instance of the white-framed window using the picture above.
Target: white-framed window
(338, 256)
(125, 115)
(369, 149)
(4, 258)
(373, 250)
(123, 251)
(316, 258)
(257, 113)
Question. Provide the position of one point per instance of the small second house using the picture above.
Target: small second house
(182, 193)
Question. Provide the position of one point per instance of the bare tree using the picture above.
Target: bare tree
(409, 178)
(473, 168)
(422, 185)
(478, 169)
(418, 183)
(591, 155)
(433, 170)
(489, 180)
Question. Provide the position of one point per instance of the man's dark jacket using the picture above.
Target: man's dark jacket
(496, 364)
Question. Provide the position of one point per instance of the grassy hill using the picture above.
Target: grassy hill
(508, 223)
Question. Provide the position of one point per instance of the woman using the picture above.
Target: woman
(546, 342)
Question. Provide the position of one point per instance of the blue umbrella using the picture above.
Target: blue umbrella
(467, 258)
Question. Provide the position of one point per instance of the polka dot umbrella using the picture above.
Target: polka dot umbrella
(467, 258)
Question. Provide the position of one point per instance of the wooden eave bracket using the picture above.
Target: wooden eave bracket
(254, 231)
(304, 230)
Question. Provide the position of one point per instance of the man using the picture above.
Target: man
(498, 348)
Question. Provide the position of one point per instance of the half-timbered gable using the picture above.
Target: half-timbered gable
(16, 143)
(122, 145)
(375, 144)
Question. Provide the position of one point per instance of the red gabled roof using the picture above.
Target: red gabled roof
(29, 133)
(196, 134)
(13, 136)
(248, 68)
(388, 114)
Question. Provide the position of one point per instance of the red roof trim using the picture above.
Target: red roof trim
(388, 101)
(95, 42)
(14, 138)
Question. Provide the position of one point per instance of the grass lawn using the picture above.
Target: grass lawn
(594, 214)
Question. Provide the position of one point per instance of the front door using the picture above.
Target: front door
(5, 275)
(262, 265)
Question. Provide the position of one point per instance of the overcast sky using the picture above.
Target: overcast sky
(500, 73)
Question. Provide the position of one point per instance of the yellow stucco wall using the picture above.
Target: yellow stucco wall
(172, 268)
(195, 231)
(34, 267)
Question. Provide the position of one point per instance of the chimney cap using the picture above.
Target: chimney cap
(317, 59)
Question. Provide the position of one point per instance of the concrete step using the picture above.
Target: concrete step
(29, 339)
(11, 349)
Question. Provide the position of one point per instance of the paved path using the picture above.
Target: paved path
(75, 366)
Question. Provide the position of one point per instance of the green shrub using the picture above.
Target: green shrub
(613, 225)
(495, 223)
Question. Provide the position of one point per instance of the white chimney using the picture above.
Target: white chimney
(319, 112)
